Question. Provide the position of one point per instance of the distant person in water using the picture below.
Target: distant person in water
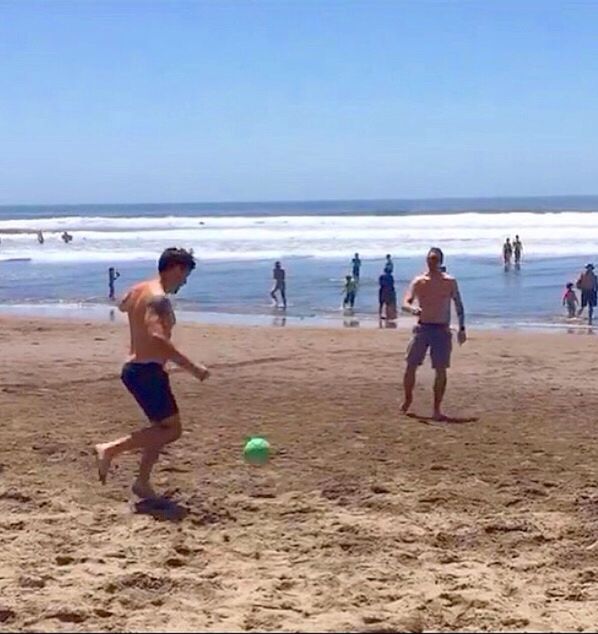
(356, 267)
(40, 237)
(66, 237)
(507, 253)
(280, 284)
(113, 275)
(570, 300)
(587, 283)
(350, 291)
(387, 297)
(388, 265)
(517, 251)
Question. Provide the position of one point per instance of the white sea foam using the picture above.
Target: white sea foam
(107, 239)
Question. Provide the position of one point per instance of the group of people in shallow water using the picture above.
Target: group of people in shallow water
(587, 283)
(387, 296)
(512, 250)
(65, 236)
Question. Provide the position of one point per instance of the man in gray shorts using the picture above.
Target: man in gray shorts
(433, 291)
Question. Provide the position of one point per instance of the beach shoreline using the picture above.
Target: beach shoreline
(109, 313)
(364, 519)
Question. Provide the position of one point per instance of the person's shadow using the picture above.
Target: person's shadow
(162, 508)
(450, 420)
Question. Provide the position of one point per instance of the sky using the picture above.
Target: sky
(177, 101)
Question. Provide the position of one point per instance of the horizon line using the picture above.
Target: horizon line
(306, 200)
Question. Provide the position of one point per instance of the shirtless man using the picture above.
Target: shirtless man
(151, 320)
(587, 283)
(433, 292)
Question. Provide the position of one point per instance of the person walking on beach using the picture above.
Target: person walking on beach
(517, 251)
(570, 300)
(280, 285)
(356, 267)
(389, 266)
(113, 275)
(350, 291)
(507, 253)
(387, 297)
(151, 321)
(587, 283)
(432, 292)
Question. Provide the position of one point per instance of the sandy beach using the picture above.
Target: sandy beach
(364, 520)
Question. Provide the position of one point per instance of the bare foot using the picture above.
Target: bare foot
(143, 491)
(406, 405)
(102, 463)
(439, 417)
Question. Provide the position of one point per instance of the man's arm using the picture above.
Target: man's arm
(158, 312)
(460, 310)
(409, 298)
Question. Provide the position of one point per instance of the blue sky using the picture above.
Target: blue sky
(136, 101)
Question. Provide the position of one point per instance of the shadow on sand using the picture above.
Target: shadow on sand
(162, 508)
(447, 420)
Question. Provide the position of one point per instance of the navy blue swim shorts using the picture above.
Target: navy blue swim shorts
(150, 385)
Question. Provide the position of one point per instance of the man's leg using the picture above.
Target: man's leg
(439, 390)
(150, 440)
(283, 294)
(408, 385)
(149, 457)
(416, 353)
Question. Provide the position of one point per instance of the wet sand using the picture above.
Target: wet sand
(363, 520)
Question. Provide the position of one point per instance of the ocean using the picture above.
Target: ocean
(236, 245)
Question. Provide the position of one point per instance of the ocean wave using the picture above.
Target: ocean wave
(110, 239)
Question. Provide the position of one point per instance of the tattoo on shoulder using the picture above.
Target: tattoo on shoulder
(160, 305)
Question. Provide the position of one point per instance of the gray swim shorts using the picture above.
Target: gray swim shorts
(438, 338)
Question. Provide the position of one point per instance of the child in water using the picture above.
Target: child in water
(350, 290)
(570, 300)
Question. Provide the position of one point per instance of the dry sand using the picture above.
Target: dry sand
(363, 520)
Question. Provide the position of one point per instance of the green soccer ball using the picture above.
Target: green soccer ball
(257, 451)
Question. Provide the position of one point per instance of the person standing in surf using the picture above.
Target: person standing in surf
(356, 267)
(387, 297)
(389, 267)
(280, 284)
(587, 283)
(517, 251)
(113, 275)
(507, 253)
(349, 291)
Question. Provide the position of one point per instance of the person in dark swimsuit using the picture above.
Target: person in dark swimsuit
(280, 285)
(387, 296)
(113, 275)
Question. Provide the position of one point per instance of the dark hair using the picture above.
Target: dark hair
(175, 257)
(438, 252)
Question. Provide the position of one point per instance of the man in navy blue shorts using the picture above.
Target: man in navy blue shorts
(151, 320)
